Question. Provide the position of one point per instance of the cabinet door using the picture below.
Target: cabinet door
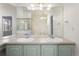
(19, 12)
(14, 50)
(22, 12)
(49, 50)
(0, 51)
(31, 50)
(66, 50)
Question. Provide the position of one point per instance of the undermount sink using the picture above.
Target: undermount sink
(25, 39)
(51, 40)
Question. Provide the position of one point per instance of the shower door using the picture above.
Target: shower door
(7, 25)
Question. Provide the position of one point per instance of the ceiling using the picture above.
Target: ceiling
(34, 6)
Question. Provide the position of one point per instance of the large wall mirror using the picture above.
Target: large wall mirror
(44, 21)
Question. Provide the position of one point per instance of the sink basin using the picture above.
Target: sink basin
(24, 39)
(50, 40)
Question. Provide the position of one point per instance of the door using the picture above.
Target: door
(14, 50)
(49, 50)
(31, 50)
(66, 50)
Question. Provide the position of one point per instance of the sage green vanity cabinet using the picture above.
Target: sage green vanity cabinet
(49, 50)
(14, 50)
(2, 50)
(66, 50)
(31, 50)
(40, 50)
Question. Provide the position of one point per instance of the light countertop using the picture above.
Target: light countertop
(37, 40)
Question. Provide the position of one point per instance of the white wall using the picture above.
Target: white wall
(7, 10)
(71, 24)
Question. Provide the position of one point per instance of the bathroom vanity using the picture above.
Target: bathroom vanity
(40, 47)
(39, 50)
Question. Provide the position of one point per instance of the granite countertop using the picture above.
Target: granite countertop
(37, 40)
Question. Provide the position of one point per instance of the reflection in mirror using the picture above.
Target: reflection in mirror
(23, 26)
(39, 22)
(43, 22)
(50, 25)
(7, 25)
